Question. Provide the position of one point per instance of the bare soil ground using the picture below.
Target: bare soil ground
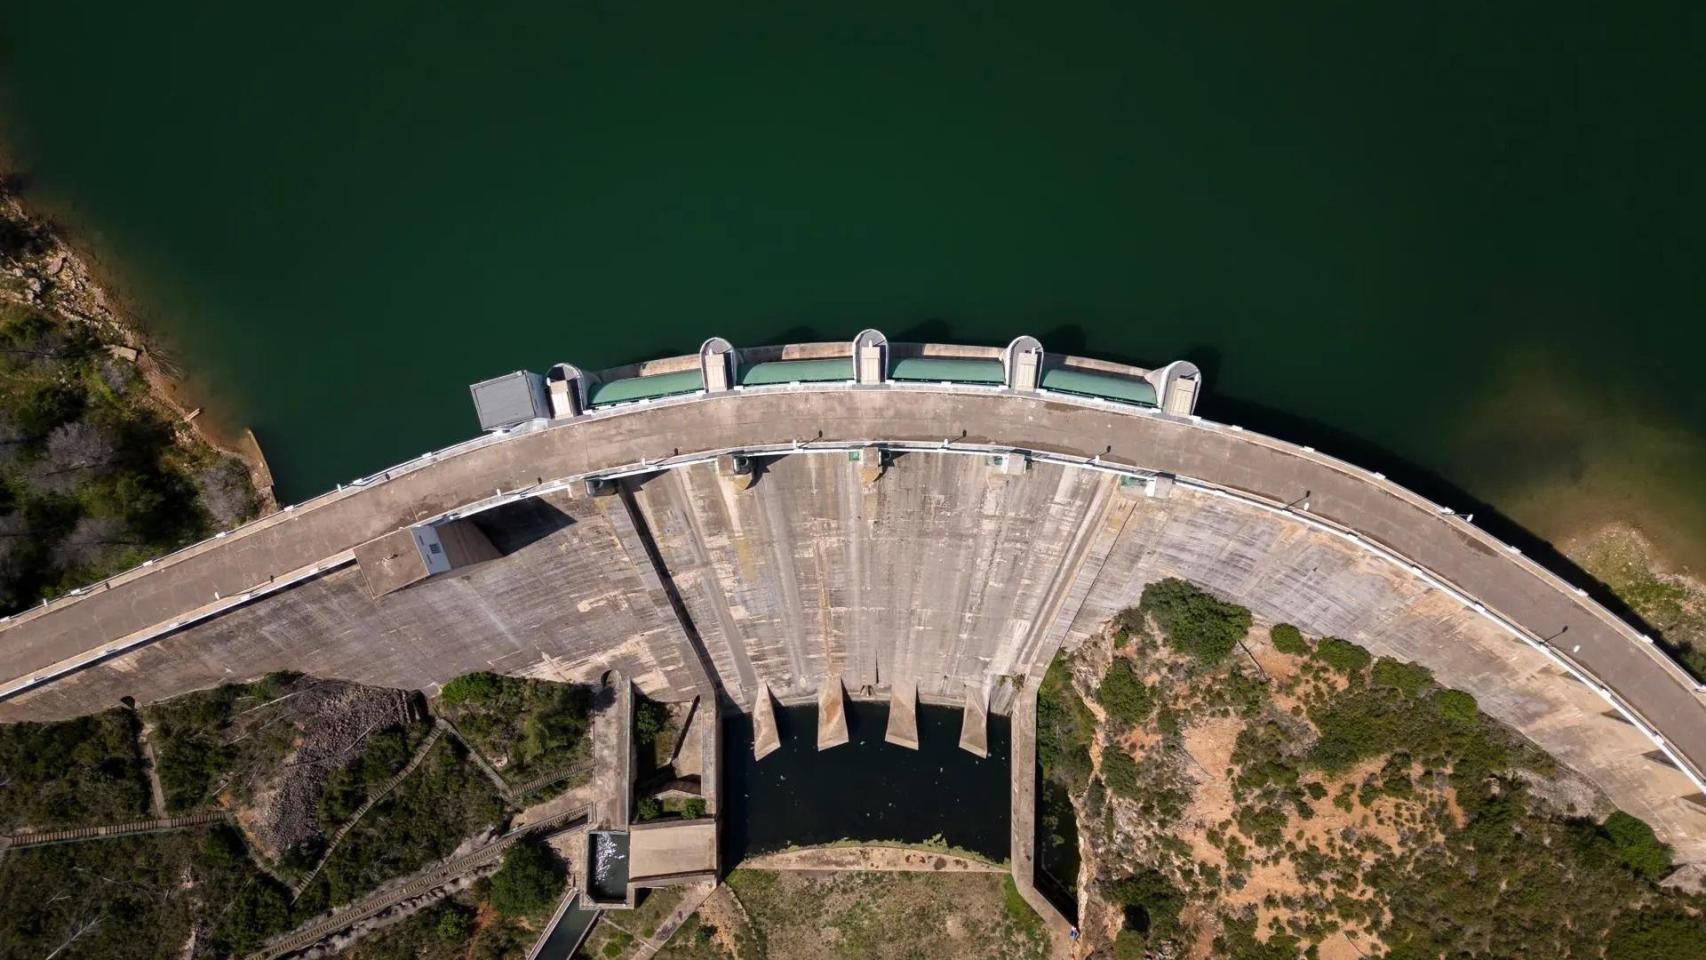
(802, 915)
(872, 857)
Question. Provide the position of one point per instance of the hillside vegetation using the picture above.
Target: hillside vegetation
(94, 475)
(86, 770)
(296, 759)
(1331, 804)
(526, 728)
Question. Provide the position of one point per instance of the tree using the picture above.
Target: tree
(649, 719)
(528, 882)
(226, 494)
(1288, 639)
(1456, 706)
(454, 924)
(88, 541)
(1195, 622)
(73, 451)
(1119, 771)
(1668, 933)
(1409, 678)
(1342, 655)
(1637, 846)
(1151, 904)
(1123, 695)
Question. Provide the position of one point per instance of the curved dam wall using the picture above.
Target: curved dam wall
(877, 535)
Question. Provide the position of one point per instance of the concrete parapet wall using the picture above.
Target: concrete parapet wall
(942, 570)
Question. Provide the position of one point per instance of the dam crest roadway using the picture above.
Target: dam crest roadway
(874, 519)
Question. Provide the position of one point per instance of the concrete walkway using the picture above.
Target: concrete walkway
(1439, 548)
(41, 838)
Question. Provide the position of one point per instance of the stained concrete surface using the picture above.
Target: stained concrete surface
(903, 716)
(766, 736)
(672, 848)
(937, 573)
(974, 724)
(831, 714)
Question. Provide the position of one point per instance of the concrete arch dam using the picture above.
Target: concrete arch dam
(884, 534)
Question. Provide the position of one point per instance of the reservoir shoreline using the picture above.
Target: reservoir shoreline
(65, 279)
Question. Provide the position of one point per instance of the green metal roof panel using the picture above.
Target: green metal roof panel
(645, 388)
(789, 371)
(1106, 386)
(954, 369)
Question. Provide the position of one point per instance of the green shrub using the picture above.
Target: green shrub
(1194, 622)
(1123, 695)
(473, 688)
(1119, 771)
(1650, 934)
(1064, 728)
(1408, 678)
(693, 808)
(1151, 904)
(648, 808)
(1288, 639)
(454, 924)
(534, 725)
(650, 717)
(1341, 655)
(1456, 707)
(1239, 942)
(529, 881)
(82, 771)
(1636, 845)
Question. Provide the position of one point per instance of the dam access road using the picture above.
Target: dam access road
(781, 519)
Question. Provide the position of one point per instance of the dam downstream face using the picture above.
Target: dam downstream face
(865, 789)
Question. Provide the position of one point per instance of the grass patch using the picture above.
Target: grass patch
(889, 916)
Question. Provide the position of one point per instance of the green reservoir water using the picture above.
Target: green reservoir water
(1461, 241)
